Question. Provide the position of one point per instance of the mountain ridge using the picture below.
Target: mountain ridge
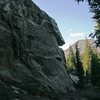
(81, 45)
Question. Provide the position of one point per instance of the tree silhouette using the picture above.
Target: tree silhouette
(79, 67)
(95, 8)
(71, 60)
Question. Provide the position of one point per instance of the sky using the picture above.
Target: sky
(73, 19)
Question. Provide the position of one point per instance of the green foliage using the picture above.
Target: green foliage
(86, 59)
(91, 64)
(74, 63)
(95, 8)
(87, 64)
(97, 33)
(71, 60)
(95, 68)
(79, 67)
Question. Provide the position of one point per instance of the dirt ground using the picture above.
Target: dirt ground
(87, 92)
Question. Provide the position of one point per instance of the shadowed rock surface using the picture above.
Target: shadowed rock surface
(31, 62)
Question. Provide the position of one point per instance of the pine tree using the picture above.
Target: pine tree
(71, 60)
(86, 59)
(97, 33)
(95, 68)
(79, 67)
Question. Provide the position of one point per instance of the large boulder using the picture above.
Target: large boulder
(31, 62)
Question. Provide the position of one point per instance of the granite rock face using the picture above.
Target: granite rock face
(31, 62)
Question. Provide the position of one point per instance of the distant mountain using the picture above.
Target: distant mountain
(81, 46)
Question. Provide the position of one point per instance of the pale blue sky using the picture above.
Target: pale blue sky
(74, 21)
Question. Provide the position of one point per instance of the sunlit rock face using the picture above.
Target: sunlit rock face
(31, 62)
